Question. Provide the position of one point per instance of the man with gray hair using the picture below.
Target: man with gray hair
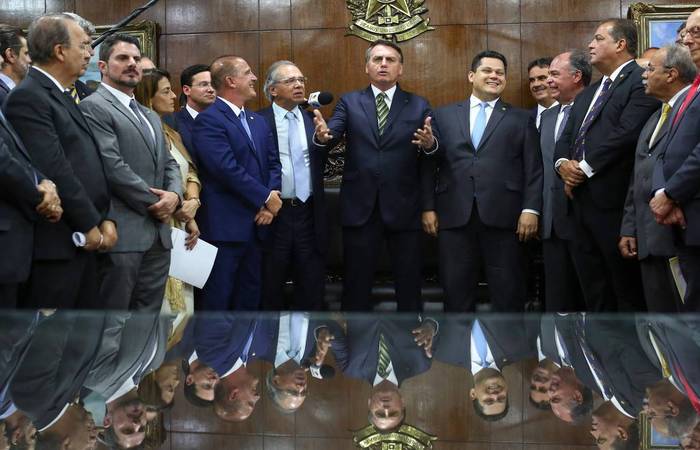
(81, 90)
(667, 77)
(63, 147)
(298, 236)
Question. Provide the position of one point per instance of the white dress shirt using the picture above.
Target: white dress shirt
(540, 110)
(126, 100)
(193, 112)
(50, 77)
(560, 117)
(8, 81)
(285, 350)
(282, 126)
(391, 376)
(476, 365)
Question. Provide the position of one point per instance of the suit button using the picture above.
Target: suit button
(253, 353)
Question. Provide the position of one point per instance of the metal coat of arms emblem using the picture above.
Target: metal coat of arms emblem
(406, 437)
(387, 19)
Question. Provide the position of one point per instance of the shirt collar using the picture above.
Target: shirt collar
(541, 109)
(51, 77)
(678, 95)
(281, 113)
(8, 81)
(389, 92)
(193, 112)
(237, 365)
(123, 98)
(236, 110)
(616, 72)
(474, 101)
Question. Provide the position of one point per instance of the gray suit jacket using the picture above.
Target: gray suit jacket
(638, 221)
(555, 205)
(132, 165)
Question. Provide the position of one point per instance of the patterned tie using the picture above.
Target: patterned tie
(580, 142)
(480, 343)
(302, 182)
(665, 111)
(592, 358)
(384, 359)
(382, 111)
(689, 392)
(688, 98)
(479, 124)
(566, 110)
(142, 125)
(244, 121)
(73, 92)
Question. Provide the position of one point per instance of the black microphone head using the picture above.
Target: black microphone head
(325, 98)
(327, 371)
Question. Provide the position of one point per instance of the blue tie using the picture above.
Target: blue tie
(479, 125)
(244, 122)
(296, 320)
(302, 185)
(248, 344)
(480, 342)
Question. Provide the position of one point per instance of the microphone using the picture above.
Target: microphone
(317, 99)
(323, 371)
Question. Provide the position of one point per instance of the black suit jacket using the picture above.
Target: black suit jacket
(4, 90)
(62, 146)
(184, 123)
(318, 164)
(638, 221)
(503, 176)
(611, 138)
(18, 199)
(357, 353)
(511, 339)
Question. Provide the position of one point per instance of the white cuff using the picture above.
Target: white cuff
(430, 152)
(587, 169)
(315, 141)
(659, 191)
(558, 163)
(531, 211)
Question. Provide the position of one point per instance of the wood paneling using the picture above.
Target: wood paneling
(568, 10)
(505, 38)
(312, 14)
(451, 12)
(187, 16)
(274, 46)
(275, 14)
(503, 11)
(53, 6)
(20, 12)
(105, 12)
(216, 441)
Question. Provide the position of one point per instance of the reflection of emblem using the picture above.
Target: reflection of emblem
(374, 19)
(405, 438)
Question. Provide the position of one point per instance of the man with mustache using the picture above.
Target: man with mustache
(537, 74)
(486, 196)
(143, 177)
(64, 148)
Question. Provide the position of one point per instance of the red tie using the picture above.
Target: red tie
(692, 396)
(688, 98)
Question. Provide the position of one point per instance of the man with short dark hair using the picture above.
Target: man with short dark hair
(667, 77)
(65, 149)
(612, 429)
(16, 60)
(594, 157)
(198, 94)
(676, 181)
(143, 176)
(297, 242)
(485, 197)
(537, 73)
(388, 134)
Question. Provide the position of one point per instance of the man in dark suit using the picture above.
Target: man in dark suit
(199, 94)
(64, 148)
(79, 91)
(143, 176)
(676, 196)
(668, 76)
(387, 133)
(297, 241)
(16, 60)
(385, 353)
(484, 346)
(594, 157)
(488, 192)
(227, 343)
(569, 74)
(239, 164)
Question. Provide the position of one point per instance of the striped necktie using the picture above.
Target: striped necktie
(382, 111)
(580, 142)
(384, 359)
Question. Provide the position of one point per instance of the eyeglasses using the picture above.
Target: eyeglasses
(293, 80)
(650, 68)
(694, 32)
(202, 84)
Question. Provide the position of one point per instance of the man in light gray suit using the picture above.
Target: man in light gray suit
(569, 73)
(143, 177)
(668, 76)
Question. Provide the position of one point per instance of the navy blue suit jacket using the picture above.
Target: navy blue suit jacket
(318, 164)
(678, 168)
(4, 90)
(386, 168)
(237, 174)
(184, 123)
(220, 339)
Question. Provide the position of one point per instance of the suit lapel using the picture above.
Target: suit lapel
(397, 103)
(230, 115)
(18, 142)
(256, 146)
(621, 78)
(499, 111)
(156, 125)
(674, 113)
(463, 119)
(649, 130)
(70, 106)
(126, 113)
(369, 105)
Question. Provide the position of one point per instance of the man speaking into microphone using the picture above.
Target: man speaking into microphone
(297, 242)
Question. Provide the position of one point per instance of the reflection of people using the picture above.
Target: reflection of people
(669, 408)
(385, 353)
(612, 429)
(540, 380)
(484, 347)
(75, 429)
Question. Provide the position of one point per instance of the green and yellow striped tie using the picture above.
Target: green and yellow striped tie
(384, 359)
(382, 111)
